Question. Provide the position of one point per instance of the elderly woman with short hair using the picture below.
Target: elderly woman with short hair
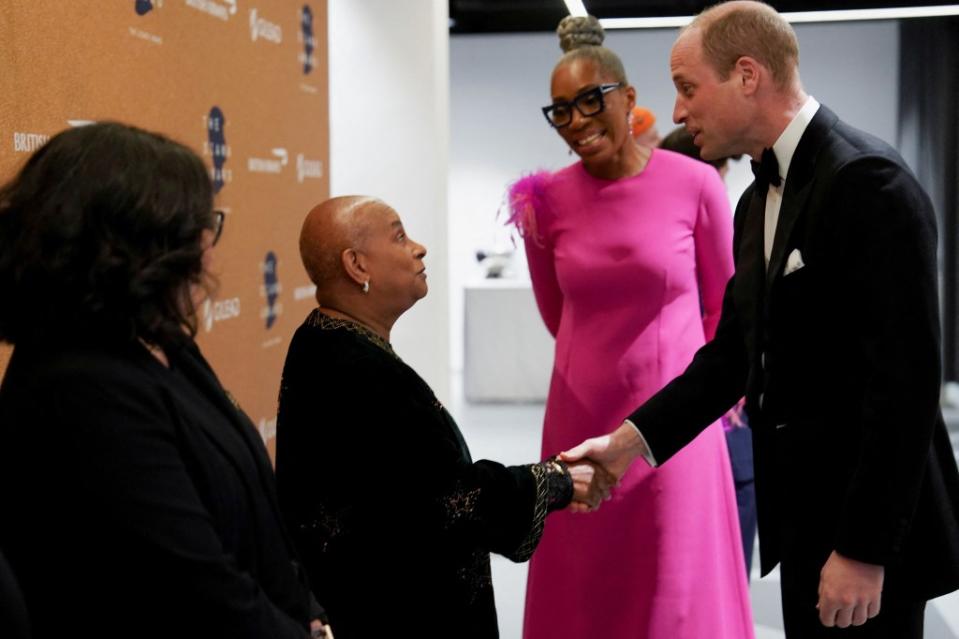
(394, 519)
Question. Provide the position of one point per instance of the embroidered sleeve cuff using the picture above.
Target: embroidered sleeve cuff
(554, 490)
(559, 490)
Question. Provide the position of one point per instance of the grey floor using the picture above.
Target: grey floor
(510, 433)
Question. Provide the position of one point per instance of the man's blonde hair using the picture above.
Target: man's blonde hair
(746, 28)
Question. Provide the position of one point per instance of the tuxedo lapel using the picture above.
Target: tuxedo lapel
(749, 287)
(799, 182)
(795, 194)
(750, 265)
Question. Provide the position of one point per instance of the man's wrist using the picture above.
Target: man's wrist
(630, 438)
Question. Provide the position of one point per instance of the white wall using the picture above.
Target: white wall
(498, 82)
(389, 137)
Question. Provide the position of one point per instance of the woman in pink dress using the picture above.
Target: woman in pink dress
(629, 252)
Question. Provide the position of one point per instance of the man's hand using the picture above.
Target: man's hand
(320, 631)
(614, 452)
(850, 591)
(591, 485)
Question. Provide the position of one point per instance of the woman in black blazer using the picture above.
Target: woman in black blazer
(137, 498)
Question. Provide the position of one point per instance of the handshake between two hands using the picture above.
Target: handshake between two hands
(598, 464)
(591, 485)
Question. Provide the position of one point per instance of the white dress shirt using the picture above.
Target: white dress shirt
(784, 148)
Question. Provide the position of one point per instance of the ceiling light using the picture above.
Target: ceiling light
(576, 8)
(795, 17)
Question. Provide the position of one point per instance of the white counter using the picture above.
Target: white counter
(508, 351)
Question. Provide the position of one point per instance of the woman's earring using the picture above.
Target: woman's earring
(366, 286)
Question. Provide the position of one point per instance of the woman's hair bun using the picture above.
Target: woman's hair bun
(579, 31)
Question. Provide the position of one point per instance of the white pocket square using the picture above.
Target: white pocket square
(793, 262)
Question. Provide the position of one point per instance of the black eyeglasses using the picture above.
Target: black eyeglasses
(218, 218)
(588, 103)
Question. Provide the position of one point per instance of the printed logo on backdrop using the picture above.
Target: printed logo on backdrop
(143, 7)
(306, 37)
(263, 29)
(216, 311)
(216, 147)
(270, 290)
(24, 142)
(273, 164)
(307, 168)
(221, 9)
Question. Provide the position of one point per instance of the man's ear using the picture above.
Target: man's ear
(749, 72)
(354, 263)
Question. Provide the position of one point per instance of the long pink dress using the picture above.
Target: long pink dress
(619, 269)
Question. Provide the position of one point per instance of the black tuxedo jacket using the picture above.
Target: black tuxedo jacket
(138, 501)
(840, 364)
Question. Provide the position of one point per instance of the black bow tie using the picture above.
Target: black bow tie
(767, 169)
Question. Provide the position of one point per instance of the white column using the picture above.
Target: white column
(389, 137)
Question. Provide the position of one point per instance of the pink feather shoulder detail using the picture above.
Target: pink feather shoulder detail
(526, 196)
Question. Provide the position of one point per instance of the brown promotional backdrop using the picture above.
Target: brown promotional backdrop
(242, 82)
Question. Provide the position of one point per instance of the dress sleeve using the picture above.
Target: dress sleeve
(529, 212)
(713, 237)
(503, 508)
(671, 418)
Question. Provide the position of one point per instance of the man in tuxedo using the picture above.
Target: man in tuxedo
(830, 327)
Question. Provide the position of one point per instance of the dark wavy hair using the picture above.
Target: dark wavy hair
(100, 233)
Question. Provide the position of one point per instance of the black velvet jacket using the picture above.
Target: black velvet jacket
(394, 521)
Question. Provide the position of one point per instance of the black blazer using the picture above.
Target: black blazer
(138, 501)
(840, 365)
(14, 623)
